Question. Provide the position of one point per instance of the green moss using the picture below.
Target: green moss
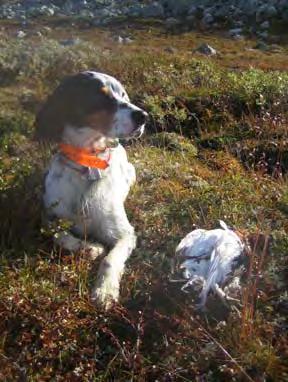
(173, 142)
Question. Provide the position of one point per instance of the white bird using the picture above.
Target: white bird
(210, 258)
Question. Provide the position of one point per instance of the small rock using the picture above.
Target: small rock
(170, 49)
(153, 10)
(265, 12)
(206, 49)
(263, 35)
(24, 22)
(70, 42)
(208, 19)
(248, 7)
(274, 39)
(104, 21)
(124, 40)
(238, 37)
(190, 19)
(192, 10)
(171, 21)
(265, 25)
(235, 31)
(239, 24)
(96, 22)
(177, 8)
(275, 48)
(282, 5)
(86, 14)
(261, 45)
(46, 11)
(46, 30)
(103, 13)
(284, 15)
(21, 34)
(120, 40)
(127, 40)
(134, 10)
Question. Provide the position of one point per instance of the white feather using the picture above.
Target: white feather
(211, 255)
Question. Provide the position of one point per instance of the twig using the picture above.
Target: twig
(221, 347)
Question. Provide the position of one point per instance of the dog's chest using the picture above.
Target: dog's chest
(70, 192)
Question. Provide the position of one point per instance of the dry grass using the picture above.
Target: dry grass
(205, 170)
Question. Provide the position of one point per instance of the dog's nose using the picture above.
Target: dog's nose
(139, 117)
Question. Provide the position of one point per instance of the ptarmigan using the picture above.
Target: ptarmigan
(209, 260)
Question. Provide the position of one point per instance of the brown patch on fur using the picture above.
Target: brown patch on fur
(106, 90)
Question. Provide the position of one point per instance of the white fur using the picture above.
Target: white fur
(96, 207)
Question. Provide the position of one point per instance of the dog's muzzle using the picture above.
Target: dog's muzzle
(139, 118)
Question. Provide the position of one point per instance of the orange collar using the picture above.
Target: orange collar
(85, 157)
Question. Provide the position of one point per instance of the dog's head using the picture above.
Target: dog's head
(85, 103)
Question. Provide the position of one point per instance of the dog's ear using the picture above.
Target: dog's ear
(48, 123)
(70, 103)
(51, 119)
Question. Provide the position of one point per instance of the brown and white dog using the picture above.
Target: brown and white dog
(88, 181)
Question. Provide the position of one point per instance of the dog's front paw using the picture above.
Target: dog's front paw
(93, 251)
(106, 292)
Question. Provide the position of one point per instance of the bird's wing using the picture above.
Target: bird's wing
(185, 246)
(229, 250)
(211, 276)
(196, 250)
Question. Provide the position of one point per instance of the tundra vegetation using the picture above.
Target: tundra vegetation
(216, 147)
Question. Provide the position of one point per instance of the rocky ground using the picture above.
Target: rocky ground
(241, 16)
